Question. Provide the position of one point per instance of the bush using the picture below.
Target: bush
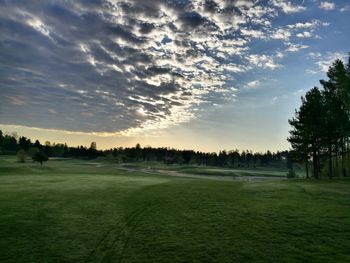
(40, 157)
(21, 156)
(32, 151)
(291, 174)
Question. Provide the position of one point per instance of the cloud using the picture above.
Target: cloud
(253, 84)
(327, 6)
(345, 8)
(300, 30)
(252, 33)
(287, 6)
(313, 24)
(17, 100)
(295, 47)
(324, 61)
(263, 61)
(129, 66)
(298, 92)
(52, 111)
(281, 33)
(304, 34)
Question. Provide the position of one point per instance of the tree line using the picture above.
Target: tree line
(24, 147)
(321, 126)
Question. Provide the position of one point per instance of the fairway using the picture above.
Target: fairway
(81, 211)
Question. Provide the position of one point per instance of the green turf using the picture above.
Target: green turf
(80, 211)
(233, 172)
(211, 170)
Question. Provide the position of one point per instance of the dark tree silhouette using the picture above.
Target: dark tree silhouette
(24, 143)
(92, 151)
(38, 145)
(40, 157)
(11, 145)
(321, 126)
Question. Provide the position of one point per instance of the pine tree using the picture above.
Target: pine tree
(307, 125)
(336, 97)
(321, 127)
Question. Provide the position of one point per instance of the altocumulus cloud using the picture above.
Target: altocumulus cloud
(129, 66)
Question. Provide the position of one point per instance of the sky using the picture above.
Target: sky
(206, 75)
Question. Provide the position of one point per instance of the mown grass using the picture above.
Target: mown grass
(67, 211)
(233, 172)
(211, 170)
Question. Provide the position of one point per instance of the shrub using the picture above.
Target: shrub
(21, 156)
(32, 151)
(291, 174)
(40, 157)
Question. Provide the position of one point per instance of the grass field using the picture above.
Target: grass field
(207, 170)
(80, 211)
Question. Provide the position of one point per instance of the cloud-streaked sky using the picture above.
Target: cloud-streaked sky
(202, 74)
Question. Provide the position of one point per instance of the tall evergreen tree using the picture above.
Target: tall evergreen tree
(299, 142)
(321, 127)
(307, 125)
(335, 119)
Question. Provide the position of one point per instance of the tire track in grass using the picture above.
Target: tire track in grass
(106, 246)
(122, 239)
(127, 238)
